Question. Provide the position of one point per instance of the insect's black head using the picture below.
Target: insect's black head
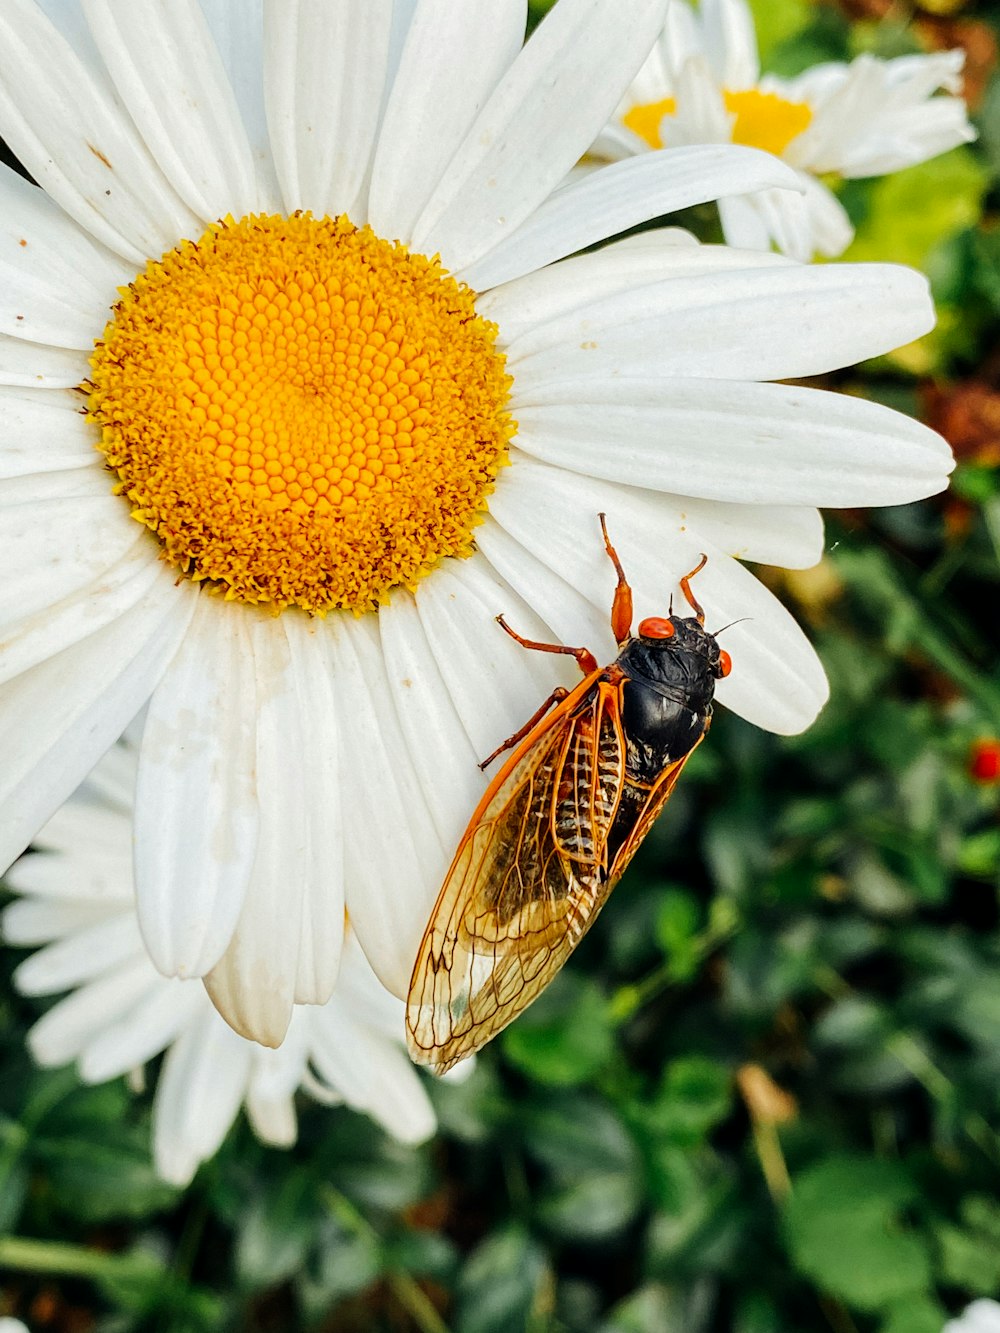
(685, 635)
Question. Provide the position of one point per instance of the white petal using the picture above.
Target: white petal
(540, 120)
(62, 1032)
(682, 37)
(65, 126)
(238, 30)
(700, 115)
(323, 867)
(253, 984)
(112, 783)
(56, 284)
(278, 1073)
(395, 861)
(451, 63)
(800, 226)
(760, 324)
(372, 1075)
(272, 1118)
(743, 224)
(571, 617)
(730, 42)
(202, 1083)
(325, 69)
(622, 195)
(143, 1030)
(274, 1079)
(740, 442)
(787, 535)
(27, 923)
(99, 841)
(38, 366)
(361, 992)
(60, 717)
(196, 814)
(777, 681)
(495, 684)
(167, 71)
(39, 488)
(910, 135)
(873, 116)
(630, 265)
(109, 595)
(83, 956)
(44, 432)
(443, 758)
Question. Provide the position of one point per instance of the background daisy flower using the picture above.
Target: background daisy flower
(979, 1317)
(78, 904)
(308, 416)
(702, 84)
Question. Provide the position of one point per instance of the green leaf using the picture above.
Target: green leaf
(655, 1308)
(914, 210)
(500, 1284)
(695, 1094)
(854, 1022)
(777, 21)
(697, 1218)
(969, 1256)
(276, 1231)
(104, 1178)
(677, 921)
(577, 1133)
(843, 1229)
(592, 1207)
(566, 1036)
(344, 1262)
(918, 1315)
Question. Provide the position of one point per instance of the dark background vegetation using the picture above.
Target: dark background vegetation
(765, 1096)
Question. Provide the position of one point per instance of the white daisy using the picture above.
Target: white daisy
(306, 416)
(979, 1317)
(702, 84)
(79, 903)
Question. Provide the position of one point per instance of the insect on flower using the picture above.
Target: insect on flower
(559, 824)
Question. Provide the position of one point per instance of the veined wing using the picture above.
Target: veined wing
(649, 812)
(527, 881)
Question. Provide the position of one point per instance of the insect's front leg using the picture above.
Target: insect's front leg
(585, 659)
(557, 695)
(621, 607)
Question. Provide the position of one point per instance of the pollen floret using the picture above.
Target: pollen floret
(302, 412)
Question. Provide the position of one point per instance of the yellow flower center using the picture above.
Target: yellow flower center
(646, 120)
(765, 120)
(762, 120)
(303, 413)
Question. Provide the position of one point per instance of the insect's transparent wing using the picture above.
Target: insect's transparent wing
(529, 877)
(649, 812)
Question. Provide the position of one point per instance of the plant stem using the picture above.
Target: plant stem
(405, 1288)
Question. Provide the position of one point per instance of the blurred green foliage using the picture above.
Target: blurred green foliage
(765, 1096)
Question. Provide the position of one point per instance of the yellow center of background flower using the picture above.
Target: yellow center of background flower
(303, 413)
(762, 120)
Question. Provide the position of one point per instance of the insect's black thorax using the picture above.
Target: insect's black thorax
(666, 697)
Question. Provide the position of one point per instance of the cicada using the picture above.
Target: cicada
(560, 822)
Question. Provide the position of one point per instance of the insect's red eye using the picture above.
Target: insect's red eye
(655, 627)
(725, 663)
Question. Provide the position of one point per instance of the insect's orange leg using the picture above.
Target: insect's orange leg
(621, 607)
(585, 659)
(557, 694)
(686, 589)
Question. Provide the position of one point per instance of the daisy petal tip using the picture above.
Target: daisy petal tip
(779, 175)
(261, 1014)
(174, 1165)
